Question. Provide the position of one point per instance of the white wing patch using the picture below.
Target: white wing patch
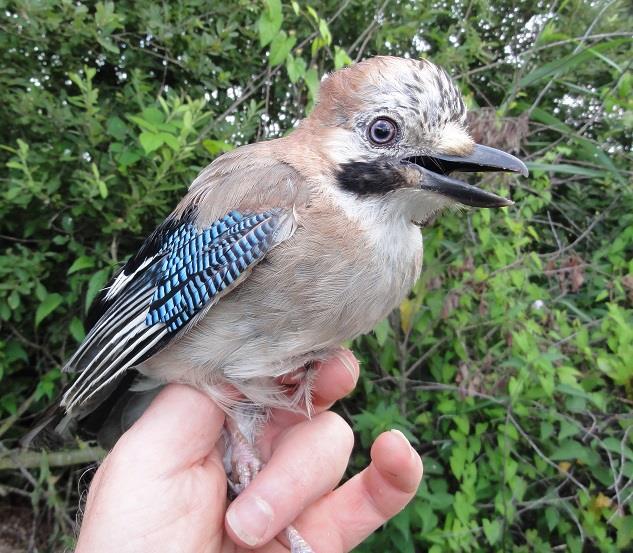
(122, 280)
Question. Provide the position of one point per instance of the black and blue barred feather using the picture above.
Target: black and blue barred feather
(180, 271)
(202, 264)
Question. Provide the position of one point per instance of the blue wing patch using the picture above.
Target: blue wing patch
(179, 271)
(200, 264)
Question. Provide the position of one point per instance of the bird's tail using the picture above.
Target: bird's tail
(104, 421)
(53, 428)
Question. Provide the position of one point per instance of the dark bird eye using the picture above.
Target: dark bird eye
(382, 131)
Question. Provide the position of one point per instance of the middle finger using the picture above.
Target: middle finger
(307, 462)
(335, 378)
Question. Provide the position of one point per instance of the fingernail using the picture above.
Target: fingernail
(250, 519)
(400, 435)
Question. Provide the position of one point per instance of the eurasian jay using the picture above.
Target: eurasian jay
(282, 250)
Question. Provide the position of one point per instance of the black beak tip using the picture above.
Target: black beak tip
(523, 170)
(494, 202)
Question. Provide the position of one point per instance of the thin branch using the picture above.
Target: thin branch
(258, 81)
(545, 458)
(26, 459)
(365, 36)
(9, 421)
(20, 240)
(503, 61)
(583, 39)
(424, 357)
(585, 233)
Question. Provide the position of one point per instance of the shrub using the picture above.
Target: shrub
(509, 366)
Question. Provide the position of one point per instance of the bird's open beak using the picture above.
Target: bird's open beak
(435, 170)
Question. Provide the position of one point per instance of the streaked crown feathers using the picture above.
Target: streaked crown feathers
(414, 88)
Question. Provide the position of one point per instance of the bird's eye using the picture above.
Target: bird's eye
(383, 131)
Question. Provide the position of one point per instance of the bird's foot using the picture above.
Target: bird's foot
(245, 461)
(297, 543)
(245, 465)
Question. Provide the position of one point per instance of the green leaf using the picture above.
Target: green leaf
(619, 448)
(566, 63)
(312, 13)
(280, 48)
(318, 43)
(463, 507)
(565, 168)
(552, 516)
(128, 157)
(14, 300)
(95, 284)
(324, 31)
(459, 454)
(50, 303)
(143, 124)
(153, 115)
(82, 262)
(105, 17)
(403, 539)
(215, 147)
(107, 43)
(269, 22)
(151, 141)
(624, 525)
(567, 429)
(296, 67)
(341, 59)
(76, 329)
(116, 128)
(571, 450)
(170, 140)
(312, 81)
(44, 388)
(103, 188)
(13, 352)
(40, 291)
(492, 530)
(382, 330)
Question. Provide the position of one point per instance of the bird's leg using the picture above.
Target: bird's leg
(245, 464)
(245, 461)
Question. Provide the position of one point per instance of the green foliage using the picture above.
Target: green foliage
(509, 367)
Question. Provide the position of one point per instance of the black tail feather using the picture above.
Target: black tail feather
(56, 428)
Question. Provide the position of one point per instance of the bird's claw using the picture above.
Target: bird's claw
(297, 543)
(246, 465)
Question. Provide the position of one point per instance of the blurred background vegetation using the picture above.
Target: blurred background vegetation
(511, 364)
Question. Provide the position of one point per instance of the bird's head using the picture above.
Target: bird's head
(396, 128)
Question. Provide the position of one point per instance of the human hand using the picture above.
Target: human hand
(163, 486)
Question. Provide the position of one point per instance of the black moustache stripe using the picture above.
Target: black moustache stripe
(369, 178)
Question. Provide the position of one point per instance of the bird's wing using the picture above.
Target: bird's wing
(181, 270)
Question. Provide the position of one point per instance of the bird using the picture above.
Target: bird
(282, 250)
